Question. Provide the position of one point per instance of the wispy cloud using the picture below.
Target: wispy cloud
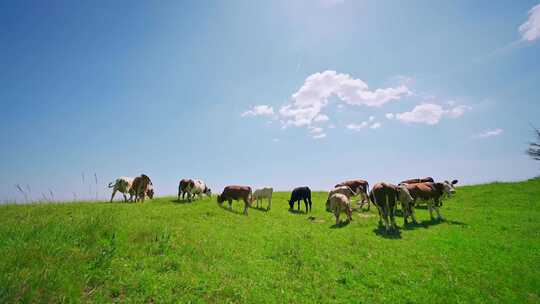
(490, 133)
(259, 110)
(429, 113)
(370, 123)
(530, 30)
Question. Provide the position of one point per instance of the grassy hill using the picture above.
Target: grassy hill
(487, 250)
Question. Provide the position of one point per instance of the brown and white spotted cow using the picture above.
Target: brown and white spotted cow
(385, 197)
(339, 203)
(236, 193)
(184, 186)
(432, 193)
(359, 186)
(418, 180)
(140, 187)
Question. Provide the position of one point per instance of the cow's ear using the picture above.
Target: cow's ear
(454, 182)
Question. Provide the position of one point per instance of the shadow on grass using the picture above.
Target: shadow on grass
(181, 201)
(341, 224)
(260, 209)
(393, 234)
(226, 208)
(297, 211)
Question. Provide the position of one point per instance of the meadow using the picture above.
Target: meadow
(486, 251)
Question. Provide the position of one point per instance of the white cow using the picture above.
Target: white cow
(198, 188)
(122, 185)
(259, 194)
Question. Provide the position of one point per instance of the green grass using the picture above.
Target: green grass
(487, 250)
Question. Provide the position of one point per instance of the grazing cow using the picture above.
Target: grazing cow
(122, 185)
(259, 194)
(140, 186)
(184, 186)
(339, 203)
(407, 203)
(347, 191)
(384, 196)
(359, 186)
(236, 193)
(432, 193)
(199, 188)
(298, 194)
(418, 180)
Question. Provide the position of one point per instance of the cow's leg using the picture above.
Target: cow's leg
(392, 217)
(246, 205)
(437, 209)
(336, 214)
(113, 193)
(309, 200)
(430, 207)
(230, 204)
(306, 204)
(125, 197)
(413, 215)
(269, 203)
(349, 213)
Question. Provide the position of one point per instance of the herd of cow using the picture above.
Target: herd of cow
(385, 196)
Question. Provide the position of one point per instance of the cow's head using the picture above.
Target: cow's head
(291, 204)
(150, 193)
(448, 187)
(220, 199)
(207, 191)
(328, 205)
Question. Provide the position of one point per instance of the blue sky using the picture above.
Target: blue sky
(279, 93)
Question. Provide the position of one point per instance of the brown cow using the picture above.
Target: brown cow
(236, 193)
(141, 186)
(339, 203)
(418, 180)
(432, 193)
(184, 187)
(358, 186)
(385, 196)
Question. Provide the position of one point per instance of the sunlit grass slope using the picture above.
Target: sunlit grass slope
(487, 250)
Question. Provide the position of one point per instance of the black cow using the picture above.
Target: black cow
(298, 194)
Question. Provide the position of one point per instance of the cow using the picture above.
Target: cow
(339, 203)
(197, 188)
(236, 193)
(184, 186)
(262, 193)
(359, 186)
(347, 191)
(140, 186)
(298, 194)
(407, 203)
(122, 185)
(418, 180)
(384, 196)
(432, 193)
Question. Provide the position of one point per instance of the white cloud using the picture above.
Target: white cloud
(530, 30)
(375, 125)
(490, 133)
(315, 130)
(331, 126)
(371, 118)
(259, 110)
(313, 96)
(389, 116)
(319, 136)
(275, 140)
(357, 127)
(429, 113)
(320, 117)
(458, 111)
